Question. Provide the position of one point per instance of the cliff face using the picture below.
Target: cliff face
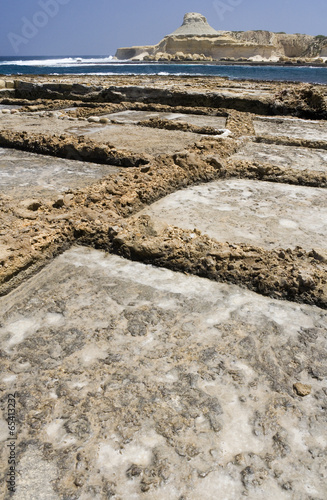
(318, 47)
(197, 39)
(293, 45)
(280, 43)
(214, 47)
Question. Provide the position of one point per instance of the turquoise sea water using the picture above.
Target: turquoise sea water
(106, 66)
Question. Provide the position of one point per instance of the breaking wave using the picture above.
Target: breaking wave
(108, 65)
(65, 62)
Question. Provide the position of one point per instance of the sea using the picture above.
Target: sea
(107, 65)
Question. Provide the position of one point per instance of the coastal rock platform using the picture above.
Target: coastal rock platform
(287, 156)
(24, 175)
(254, 212)
(163, 288)
(138, 382)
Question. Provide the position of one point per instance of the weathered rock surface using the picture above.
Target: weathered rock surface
(252, 212)
(302, 100)
(292, 128)
(284, 156)
(24, 175)
(285, 274)
(136, 382)
(163, 379)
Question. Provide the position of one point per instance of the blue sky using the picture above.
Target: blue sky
(99, 27)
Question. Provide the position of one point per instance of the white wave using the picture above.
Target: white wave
(71, 62)
(112, 73)
(65, 62)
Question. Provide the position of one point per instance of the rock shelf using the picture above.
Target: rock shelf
(141, 382)
(163, 292)
(246, 211)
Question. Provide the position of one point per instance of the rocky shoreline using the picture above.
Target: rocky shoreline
(204, 160)
(157, 341)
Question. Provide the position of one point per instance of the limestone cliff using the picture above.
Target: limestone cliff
(318, 47)
(197, 40)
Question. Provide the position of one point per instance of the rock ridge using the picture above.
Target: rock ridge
(194, 24)
(196, 40)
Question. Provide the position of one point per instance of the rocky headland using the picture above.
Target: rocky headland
(196, 40)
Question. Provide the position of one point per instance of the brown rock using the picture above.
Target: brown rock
(302, 389)
(320, 255)
(31, 204)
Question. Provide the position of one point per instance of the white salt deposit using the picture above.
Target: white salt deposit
(18, 330)
(264, 214)
(57, 435)
(91, 354)
(110, 457)
(197, 403)
(291, 127)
